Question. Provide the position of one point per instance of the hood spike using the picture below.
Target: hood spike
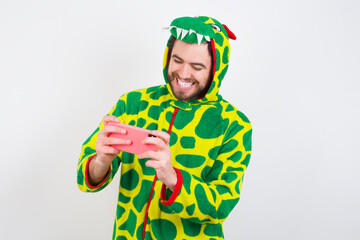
(184, 33)
(199, 38)
(168, 28)
(207, 38)
(178, 32)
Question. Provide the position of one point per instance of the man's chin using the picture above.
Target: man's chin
(182, 95)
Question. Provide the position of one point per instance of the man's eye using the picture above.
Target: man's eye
(177, 61)
(197, 69)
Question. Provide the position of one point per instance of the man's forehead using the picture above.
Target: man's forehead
(192, 52)
(197, 48)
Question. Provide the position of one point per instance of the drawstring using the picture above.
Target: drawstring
(155, 178)
(172, 120)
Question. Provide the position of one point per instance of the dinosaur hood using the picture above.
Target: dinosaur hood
(198, 30)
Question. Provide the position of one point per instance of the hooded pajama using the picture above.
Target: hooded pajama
(210, 143)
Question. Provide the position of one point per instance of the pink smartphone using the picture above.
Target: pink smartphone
(136, 135)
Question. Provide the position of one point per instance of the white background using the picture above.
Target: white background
(294, 71)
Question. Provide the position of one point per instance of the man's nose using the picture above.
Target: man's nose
(185, 71)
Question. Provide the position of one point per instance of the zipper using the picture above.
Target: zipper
(155, 179)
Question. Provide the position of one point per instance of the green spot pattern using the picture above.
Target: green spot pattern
(234, 129)
(141, 199)
(173, 139)
(247, 140)
(215, 171)
(128, 158)
(229, 146)
(186, 181)
(222, 74)
(236, 156)
(226, 55)
(191, 229)
(119, 111)
(146, 170)
(206, 207)
(187, 142)
(152, 126)
(119, 212)
(222, 189)
(121, 238)
(129, 180)
(156, 95)
(123, 198)
(229, 177)
(214, 230)
(225, 207)
(154, 112)
(217, 60)
(190, 209)
(246, 160)
(190, 161)
(134, 99)
(213, 153)
(143, 105)
(141, 122)
(130, 224)
(205, 172)
(159, 226)
(211, 120)
(229, 108)
(219, 39)
(183, 118)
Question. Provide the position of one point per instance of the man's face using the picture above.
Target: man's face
(189, 70)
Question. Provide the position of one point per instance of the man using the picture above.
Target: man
(188, 187)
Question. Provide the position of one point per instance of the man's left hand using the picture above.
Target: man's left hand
(161, 159)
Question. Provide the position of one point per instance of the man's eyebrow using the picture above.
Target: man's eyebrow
(199, 64)
(176, 56)
(196, 64)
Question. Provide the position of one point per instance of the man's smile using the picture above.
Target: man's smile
(183, 84)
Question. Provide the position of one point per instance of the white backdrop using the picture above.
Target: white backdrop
(294, 71)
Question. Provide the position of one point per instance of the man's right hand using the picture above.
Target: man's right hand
(105, 154)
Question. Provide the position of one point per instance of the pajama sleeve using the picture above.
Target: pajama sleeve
(211, 198)
(89, 151)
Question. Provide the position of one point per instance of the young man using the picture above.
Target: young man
(188, 187)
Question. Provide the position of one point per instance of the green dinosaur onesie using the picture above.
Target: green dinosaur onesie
(210, 143)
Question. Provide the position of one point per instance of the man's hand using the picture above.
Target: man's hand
(161, 159)
(105, 154)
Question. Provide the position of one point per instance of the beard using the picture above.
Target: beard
(183, 95)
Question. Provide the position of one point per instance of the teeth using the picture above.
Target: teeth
(184, 84)
(178, 32)
(199, 38)
(183, 34)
